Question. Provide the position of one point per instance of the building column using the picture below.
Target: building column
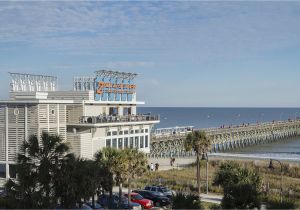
(6, 143)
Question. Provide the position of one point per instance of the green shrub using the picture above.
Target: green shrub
(186, 201)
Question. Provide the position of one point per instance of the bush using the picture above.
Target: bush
(186, 201)
(276, 204)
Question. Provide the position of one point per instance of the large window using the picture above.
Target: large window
(127, 111)
(113, 111)
(142, 142)
(146, 141)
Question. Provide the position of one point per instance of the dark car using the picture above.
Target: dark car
(97, 205)
(157, 198)
(168, 193)
(104, 201)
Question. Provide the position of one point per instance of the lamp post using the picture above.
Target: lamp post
(205, 157)
(272, 167)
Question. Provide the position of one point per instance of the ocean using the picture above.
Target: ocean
(288, 149)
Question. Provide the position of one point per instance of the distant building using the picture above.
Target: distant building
(100, 111)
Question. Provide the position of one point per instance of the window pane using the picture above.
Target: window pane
(108, 133)
(131, 142)
(126, 132)
(108, 143)
(120, 143)
(114, 133)
(136, 142)
(114, 143)
(136, 131)
(121, 133)
(142, 142)
(146, 141)
(126, 142)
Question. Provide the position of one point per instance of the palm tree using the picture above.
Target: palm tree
(136, 166)
(200, 143)
(115, 162)
(37, 164)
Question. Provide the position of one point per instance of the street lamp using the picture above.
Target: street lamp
(281, 171)
(205, 157)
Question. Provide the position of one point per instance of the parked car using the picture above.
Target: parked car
(97, 205)
(104, 201)
(158, 198)
(137, 198)
(168, 193)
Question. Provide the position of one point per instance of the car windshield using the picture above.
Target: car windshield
(137, 197)
(164, 189)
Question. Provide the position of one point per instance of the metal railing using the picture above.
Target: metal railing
(114, 119)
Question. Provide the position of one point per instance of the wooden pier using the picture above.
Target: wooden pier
(171, 142)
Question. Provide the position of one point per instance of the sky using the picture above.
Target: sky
(187, 53)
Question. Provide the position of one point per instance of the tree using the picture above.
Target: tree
(136, 166)
(115, 162)
(199, 142)
(241, 186)
(37, 164)
(79, 179)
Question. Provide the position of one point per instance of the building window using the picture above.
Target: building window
(120, 141)
(131, 131)
(108, 143)
(136, 131)
(146, 130)
(121, 133)
(142, 142)
(2, 170)
(146, 141)
(114, 143)
(136, 142)
(52, 111)
(114, 133)
(12, 171)
(126, 142)
(142, 131)
(126, 132)
(131, 142)
(108, 133)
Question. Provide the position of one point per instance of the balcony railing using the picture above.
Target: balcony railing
(115, 119)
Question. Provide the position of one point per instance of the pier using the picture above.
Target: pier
(169, 142)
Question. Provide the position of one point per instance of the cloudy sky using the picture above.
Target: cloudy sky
(219, 54)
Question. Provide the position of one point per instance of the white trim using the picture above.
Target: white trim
(99, 125)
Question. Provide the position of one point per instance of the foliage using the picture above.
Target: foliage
(197, 141)
(274, 203)
(78, 179)
(36, 167)
(186, 201)
(241, 186)
(200, 143)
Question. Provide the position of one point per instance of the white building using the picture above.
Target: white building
(100, 111)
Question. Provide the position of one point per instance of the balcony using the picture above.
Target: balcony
(118, 119)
